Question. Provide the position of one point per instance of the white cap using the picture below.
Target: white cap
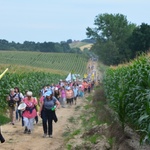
(29, 93)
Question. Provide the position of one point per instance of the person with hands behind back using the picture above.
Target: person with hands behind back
(47, 113)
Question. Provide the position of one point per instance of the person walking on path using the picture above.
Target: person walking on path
(47, 113)
(76, 92)
(19, 97)
(69, 96)
(11, 104)
(63, 96)
(30, 112)
(57, 93)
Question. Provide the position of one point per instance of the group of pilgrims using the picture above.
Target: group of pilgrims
(27, 109)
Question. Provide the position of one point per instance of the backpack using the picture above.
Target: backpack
(18, 102)
(11, 102)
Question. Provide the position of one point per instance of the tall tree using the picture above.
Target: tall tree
(139, 41)
(111, 29)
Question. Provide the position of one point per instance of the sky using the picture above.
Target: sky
(60, 20)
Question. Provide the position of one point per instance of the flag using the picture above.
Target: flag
(3, 73)
(73, 77)
(85, 75)
(68, 77)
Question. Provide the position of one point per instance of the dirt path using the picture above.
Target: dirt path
(17, 140)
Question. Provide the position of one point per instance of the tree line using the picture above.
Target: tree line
(118, 40)
(62, 47)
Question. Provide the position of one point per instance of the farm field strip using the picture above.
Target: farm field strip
(127, 88)
(56, 61)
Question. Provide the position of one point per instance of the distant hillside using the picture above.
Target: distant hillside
(80, 44)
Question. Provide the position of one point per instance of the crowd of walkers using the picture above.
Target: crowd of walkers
(26, 108)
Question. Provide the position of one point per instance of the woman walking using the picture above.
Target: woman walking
(19, 96)
(63, 96)
(69, 96)
(47, 113)
(30, 112)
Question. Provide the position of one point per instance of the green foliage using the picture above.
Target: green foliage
(3, 119)
(93, 139)
(111, 33)
(69, 146)
(139, 41)
(33, 81)
(76, 132)
(57, 61)
(62, 47)
(72, 120)
(127, 88)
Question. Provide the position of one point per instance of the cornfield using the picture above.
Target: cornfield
(60, 62)
(32, 70)
(127, 89)
(27, 81)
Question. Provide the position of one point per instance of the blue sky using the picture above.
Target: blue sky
(60, 20)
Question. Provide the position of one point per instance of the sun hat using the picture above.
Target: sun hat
(22, 106)
(29, 93)
(48, 93)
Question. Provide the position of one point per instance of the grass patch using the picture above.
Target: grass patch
(70, 134)
(77, 108)
(69, 146)
(111, 141)
(4, 119)
(76, 132)
(89, 98)
(90, 119)
(66, 134)
(93, 138)
(102, 67)
(72, 120)
(87, 107)
(94, 119)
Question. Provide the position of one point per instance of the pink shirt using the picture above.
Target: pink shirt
(30, 104)
(41, 99)
(63, 93)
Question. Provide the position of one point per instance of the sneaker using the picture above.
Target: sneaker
(26, 130)
(29, 131)
(50, 136)
(44, 136)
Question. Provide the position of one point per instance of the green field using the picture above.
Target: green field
(127, 87)
(61, 63)
(32, 70)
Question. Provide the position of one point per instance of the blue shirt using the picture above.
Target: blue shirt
(49, 104)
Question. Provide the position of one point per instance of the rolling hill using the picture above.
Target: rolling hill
(81, 45)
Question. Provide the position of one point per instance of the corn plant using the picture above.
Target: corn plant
(128, 91)
(28, 81)
(64, 62)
